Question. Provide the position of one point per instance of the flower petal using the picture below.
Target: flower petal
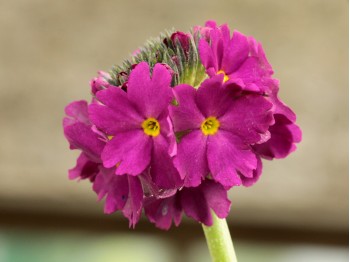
(131, 151)
(186, 115)
(248, 117)
(80, 136)
(284, 135)
(251, 74)
(210, 23)
(183, 39)
(133, 206)
(256, 50)
(117, 114)
(228, 155)
(236, 53)
(195, 205)
(112, 122)
(100, 82)
(197, 202)
(191, 160)
(163, 211)
(212, 99)
(249, 181)
(163, 171)
(216, 197)
(166, 130)
(225, 33)
(151, 95)
(85, 168)
(78, 111)
(206, 55)
(217, 47)
(115, 188)
(279, 107)
(122, 193)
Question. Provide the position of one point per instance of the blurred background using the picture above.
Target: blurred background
(49, 51)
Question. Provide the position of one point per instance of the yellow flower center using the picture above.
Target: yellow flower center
(226, 78)
(151, 127)
(210, 126)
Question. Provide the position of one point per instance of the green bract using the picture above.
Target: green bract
(186, 65)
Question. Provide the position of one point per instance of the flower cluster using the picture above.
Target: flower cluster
(186, 118)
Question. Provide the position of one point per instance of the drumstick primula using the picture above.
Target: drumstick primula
(186, 118)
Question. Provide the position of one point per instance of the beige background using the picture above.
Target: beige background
(49, 50)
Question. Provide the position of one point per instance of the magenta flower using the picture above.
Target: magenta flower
(184, 40)
(239, 58)
(243, 63)
(173, 128)
(163, 211)
(138, 124)
(284, 133)
(100, 82)
(196, 202)
(77, 129)
(218, 131)
(122, 192)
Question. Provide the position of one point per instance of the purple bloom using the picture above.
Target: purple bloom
(243, 63)
(204, 31)
(178, 150)
(239, 58)
(217, 131)
(139, 126)
(100, 82)
(85, 168)
(284, 133)
(195, 202)
(77, 129)
(162, 211)
(122, 193)
(184, 40)
(136, 52)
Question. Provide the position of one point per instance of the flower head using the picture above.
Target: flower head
(173, 128)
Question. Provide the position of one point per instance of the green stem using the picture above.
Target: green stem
(219, 241)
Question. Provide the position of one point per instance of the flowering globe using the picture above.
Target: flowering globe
(187, 117)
